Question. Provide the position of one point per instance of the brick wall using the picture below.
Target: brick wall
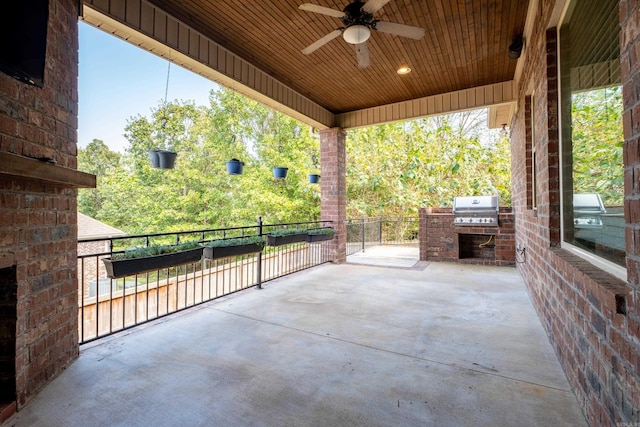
(592, 318)
(442, 240)
(38, 220)
(333, 187)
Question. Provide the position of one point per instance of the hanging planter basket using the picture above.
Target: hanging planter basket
(314, 178)
(234, 167)
(167, 159)
(153, 158)
(280, 173)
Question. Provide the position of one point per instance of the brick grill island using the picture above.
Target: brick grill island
(442, 240)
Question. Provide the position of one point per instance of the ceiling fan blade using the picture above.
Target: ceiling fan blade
(362, 53)
(400, 29)
(321, 42)
(372, 6)
(321, 9)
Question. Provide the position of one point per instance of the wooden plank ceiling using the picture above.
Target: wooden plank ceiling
(465, 46)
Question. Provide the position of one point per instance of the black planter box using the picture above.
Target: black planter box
(128, 267)
(229, 251)
(286, 239)
(312, 238)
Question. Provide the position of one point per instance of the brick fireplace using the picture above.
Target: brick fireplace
(442, 240)
(38, 213)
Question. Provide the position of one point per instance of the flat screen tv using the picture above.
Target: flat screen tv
(23, 39)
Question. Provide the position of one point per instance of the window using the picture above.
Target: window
(591, 133)
(534, 168)
(530, 152)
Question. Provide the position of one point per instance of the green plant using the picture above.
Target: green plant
(153, 250)
(287, 231)
(320, 231)
(237, 242)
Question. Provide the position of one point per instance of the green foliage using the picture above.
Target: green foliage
(248, 240)
(391, 169)
(395, 169)
(199, 193)
(154, 250)
(321, 231)
(287, 232)
(597, 138)
(98, 160)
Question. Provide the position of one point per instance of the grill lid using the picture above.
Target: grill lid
(588, 203)
(476, 210)
(587, 210)
(473, 204)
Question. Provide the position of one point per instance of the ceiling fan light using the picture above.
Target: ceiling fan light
(356, 34)
(403, 69)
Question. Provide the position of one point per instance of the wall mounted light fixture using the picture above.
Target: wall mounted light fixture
(515, 48)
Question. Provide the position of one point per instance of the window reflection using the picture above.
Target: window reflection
(591, 133)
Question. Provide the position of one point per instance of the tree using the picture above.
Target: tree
(198, 193)
(98, 160)
(397, 168)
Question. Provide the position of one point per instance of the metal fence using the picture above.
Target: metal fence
(109, 305)
(364, 232)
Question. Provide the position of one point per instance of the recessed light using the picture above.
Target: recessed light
(403, 69)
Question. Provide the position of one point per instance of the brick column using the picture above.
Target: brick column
(333, 186)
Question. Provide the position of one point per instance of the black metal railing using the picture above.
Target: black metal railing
(109, 305)
(363, 233)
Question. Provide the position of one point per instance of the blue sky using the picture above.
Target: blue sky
(118, 81)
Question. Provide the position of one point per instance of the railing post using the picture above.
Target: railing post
(363, 235)
(380, 228)
(259, 266)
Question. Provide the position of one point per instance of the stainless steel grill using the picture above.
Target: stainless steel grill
(476, 210)
(587, 210)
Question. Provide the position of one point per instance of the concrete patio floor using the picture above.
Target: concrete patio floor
(337, 345)
(387, 255)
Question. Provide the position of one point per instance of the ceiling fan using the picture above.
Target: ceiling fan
(358, 22)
